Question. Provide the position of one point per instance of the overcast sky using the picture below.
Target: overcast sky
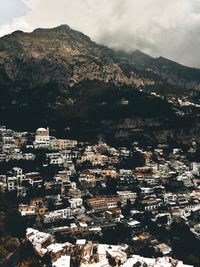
(170, 28)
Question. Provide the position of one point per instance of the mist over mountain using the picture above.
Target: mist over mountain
(169, 28)
(60, 77)
(67, 52)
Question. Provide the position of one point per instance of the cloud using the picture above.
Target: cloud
(11, 9)
(169, 28)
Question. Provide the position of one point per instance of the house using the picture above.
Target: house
(118, 253)
(57, 215)
(196, 230)
(151, 204)
(87, 178)
(109, 173)
(170, 199)
(75, 193)
(55, 250)
(125, 195)
(27, 210)
(55, 158)
(156, 262)
(146, 191)
(196, 168)
(12, 183)
(134, 224)
(162, 249)
(162, 218)
(37, 201)
(33, 178)
(182, 199)
(40, 240)
(75, 202)
(62, 176)
(63, 261)
(62, 144)
(62, 214)
(103, 203)
(114, 214)
(42, 139)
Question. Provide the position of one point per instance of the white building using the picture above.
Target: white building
(170, 198)
(75, 202)
(12, 183)
(40, 240)
(116, 252)
(196, 168)
(156, 262)
(125, 195)
(42, 139)
(58, 215)
(63, 261)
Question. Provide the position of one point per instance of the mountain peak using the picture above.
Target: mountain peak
(43, 67)
(62, 54)
(61, 28)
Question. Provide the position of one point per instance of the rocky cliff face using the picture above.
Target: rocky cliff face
(67, 56)
(61, 55)
(165, 70)
(59, 77)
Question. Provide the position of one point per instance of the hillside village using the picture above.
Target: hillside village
(90, 204)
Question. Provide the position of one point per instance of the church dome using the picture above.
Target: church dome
(41, 130)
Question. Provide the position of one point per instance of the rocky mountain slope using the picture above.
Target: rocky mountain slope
(60, 77)
(169, 71)
(62, 55)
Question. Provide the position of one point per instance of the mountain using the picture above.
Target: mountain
(64, 55)
(58, 54)
(169, 71)
(60, 77)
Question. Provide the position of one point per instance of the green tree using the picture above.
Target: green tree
(127, 208)
(111, 261)
(119, 204)
(34, 263)
(193, 260)
(46, 260)
(12, 244)
(15, 223)
(111, 186)
(2, 253)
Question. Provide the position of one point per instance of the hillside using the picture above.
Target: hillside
(60, 77)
